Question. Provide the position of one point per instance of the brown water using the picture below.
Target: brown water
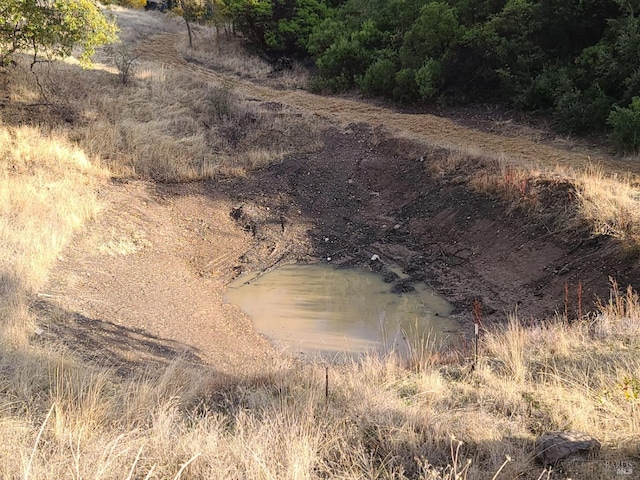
(321, 309)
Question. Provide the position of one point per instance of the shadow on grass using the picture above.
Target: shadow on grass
(106, 343)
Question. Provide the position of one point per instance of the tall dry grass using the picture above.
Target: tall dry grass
(380, 419)
(611, 203)
(169, 126)
(219, 50)
(561, 198)
(48, 191)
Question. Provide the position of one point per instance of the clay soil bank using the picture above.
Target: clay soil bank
(368, 194)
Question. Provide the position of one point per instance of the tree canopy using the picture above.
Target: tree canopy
(277, 27)
(52, 28)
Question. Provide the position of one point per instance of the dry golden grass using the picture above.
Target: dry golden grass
(220, 51)
(589, 198)
(611, 203)
(169, 126)
(48, 190)
(381, 419)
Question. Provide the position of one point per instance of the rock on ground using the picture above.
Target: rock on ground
(555, 446)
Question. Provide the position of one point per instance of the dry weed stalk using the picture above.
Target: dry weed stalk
(620, 316)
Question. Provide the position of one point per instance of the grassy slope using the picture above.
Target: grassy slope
(384, 418)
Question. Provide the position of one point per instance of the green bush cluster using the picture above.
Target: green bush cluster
(277, 27)
(626, 125)
(577, 60)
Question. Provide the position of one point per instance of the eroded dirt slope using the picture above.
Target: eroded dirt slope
(143, 285)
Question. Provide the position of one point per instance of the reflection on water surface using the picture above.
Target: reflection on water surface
(321, 309)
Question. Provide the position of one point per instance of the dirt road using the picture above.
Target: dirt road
(514, 147)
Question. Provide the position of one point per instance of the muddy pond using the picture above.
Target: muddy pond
(320, 309)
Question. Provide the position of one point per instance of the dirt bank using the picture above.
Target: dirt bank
(365, 195)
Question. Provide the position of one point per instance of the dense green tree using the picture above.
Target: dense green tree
(277, 27)
(406, 89)
(345, 62)
(429, 78)
(430, 36)
(473, 68)
(326, 33)
(380, 78)
(52, 28)
(393, 16)
(426, 45)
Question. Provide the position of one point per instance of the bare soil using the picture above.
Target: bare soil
(142, 284)
(145, 282)
(362, 196)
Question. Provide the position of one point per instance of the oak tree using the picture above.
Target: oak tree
(52, 28)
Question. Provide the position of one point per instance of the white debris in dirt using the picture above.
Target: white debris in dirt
(375, 257)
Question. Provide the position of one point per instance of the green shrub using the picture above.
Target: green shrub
(544, 89)
(577, 111)
(626, 125)
(406, 89)
(325, 34)
(344, 63)
(431, 34)
(380, 78)
(429, 78)
(277, 27)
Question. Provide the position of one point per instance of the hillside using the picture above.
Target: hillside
(129, 207)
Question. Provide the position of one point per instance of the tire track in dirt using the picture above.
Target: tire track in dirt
(438, 131)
